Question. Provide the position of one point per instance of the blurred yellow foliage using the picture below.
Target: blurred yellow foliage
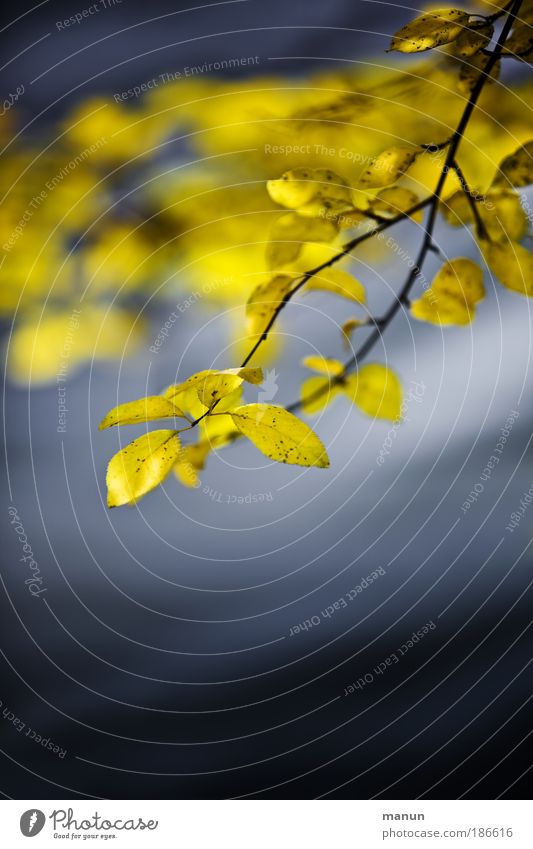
(109, 209)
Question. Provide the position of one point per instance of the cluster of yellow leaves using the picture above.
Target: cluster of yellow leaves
(268, 297)
(190, 226)
(374, 388)
(213, 396)
(61, 340)
(318, 199)
(501, 213)
(504, 220)
(291, 232)
(510, 261)
(466, 34)
(217, 225)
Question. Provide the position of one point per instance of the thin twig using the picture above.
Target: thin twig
(426, 246)
(452, 145)
(345, 250)
(481, 230)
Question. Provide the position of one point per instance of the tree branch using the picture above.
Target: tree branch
(450, 162)
(451, 146)
(346, 249)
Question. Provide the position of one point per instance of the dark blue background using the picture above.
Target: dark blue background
(160, 655)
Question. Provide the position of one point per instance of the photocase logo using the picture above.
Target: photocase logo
(269, 387)
(269, 390)
(32, 822)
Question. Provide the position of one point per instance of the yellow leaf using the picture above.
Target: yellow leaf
(512, 264)
(264, 301)
(504, 216)
(460, 278)
(394, 200)
(191, 460)
(348, 328)
(219, 384)
(232, 399)
(212, 384)
(441, 311)
(339, 283)
(216, 431)
(312, 191)
(44, 346)
(473, 39)
(316, 393)
(501, 212)
(517, 168)
(291, 232)
(456, 209)
(280, 435)
(376, 390)
(219, 430)
(430, 30)
(387, 167)
(519, 45)
(141, 466)
(189, 401)
(456, 289)
(323, 365)
(294, 188)
(144, 410)
(471, 70)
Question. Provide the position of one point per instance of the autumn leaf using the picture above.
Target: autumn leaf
(471, 71)
(394, 200)
(216, 431)
(519, 45)
(512, 264)
(280, 435)
(473, 39)
(349, 326)
(339, 283)
(517, 168)
(191, 460)
(265, 300)
(323, 365)
(316, 393)
(219, 384)
(141, 466)
(455, 290)
(430, 30)
(291, 232)
(313, 192)
(501, 213)
(211, 385)
(376, 390)
(144, 410)
(387, 167)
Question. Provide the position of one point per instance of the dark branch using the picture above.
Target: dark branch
(427, 244)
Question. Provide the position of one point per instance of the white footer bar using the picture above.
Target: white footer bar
(268, 824)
